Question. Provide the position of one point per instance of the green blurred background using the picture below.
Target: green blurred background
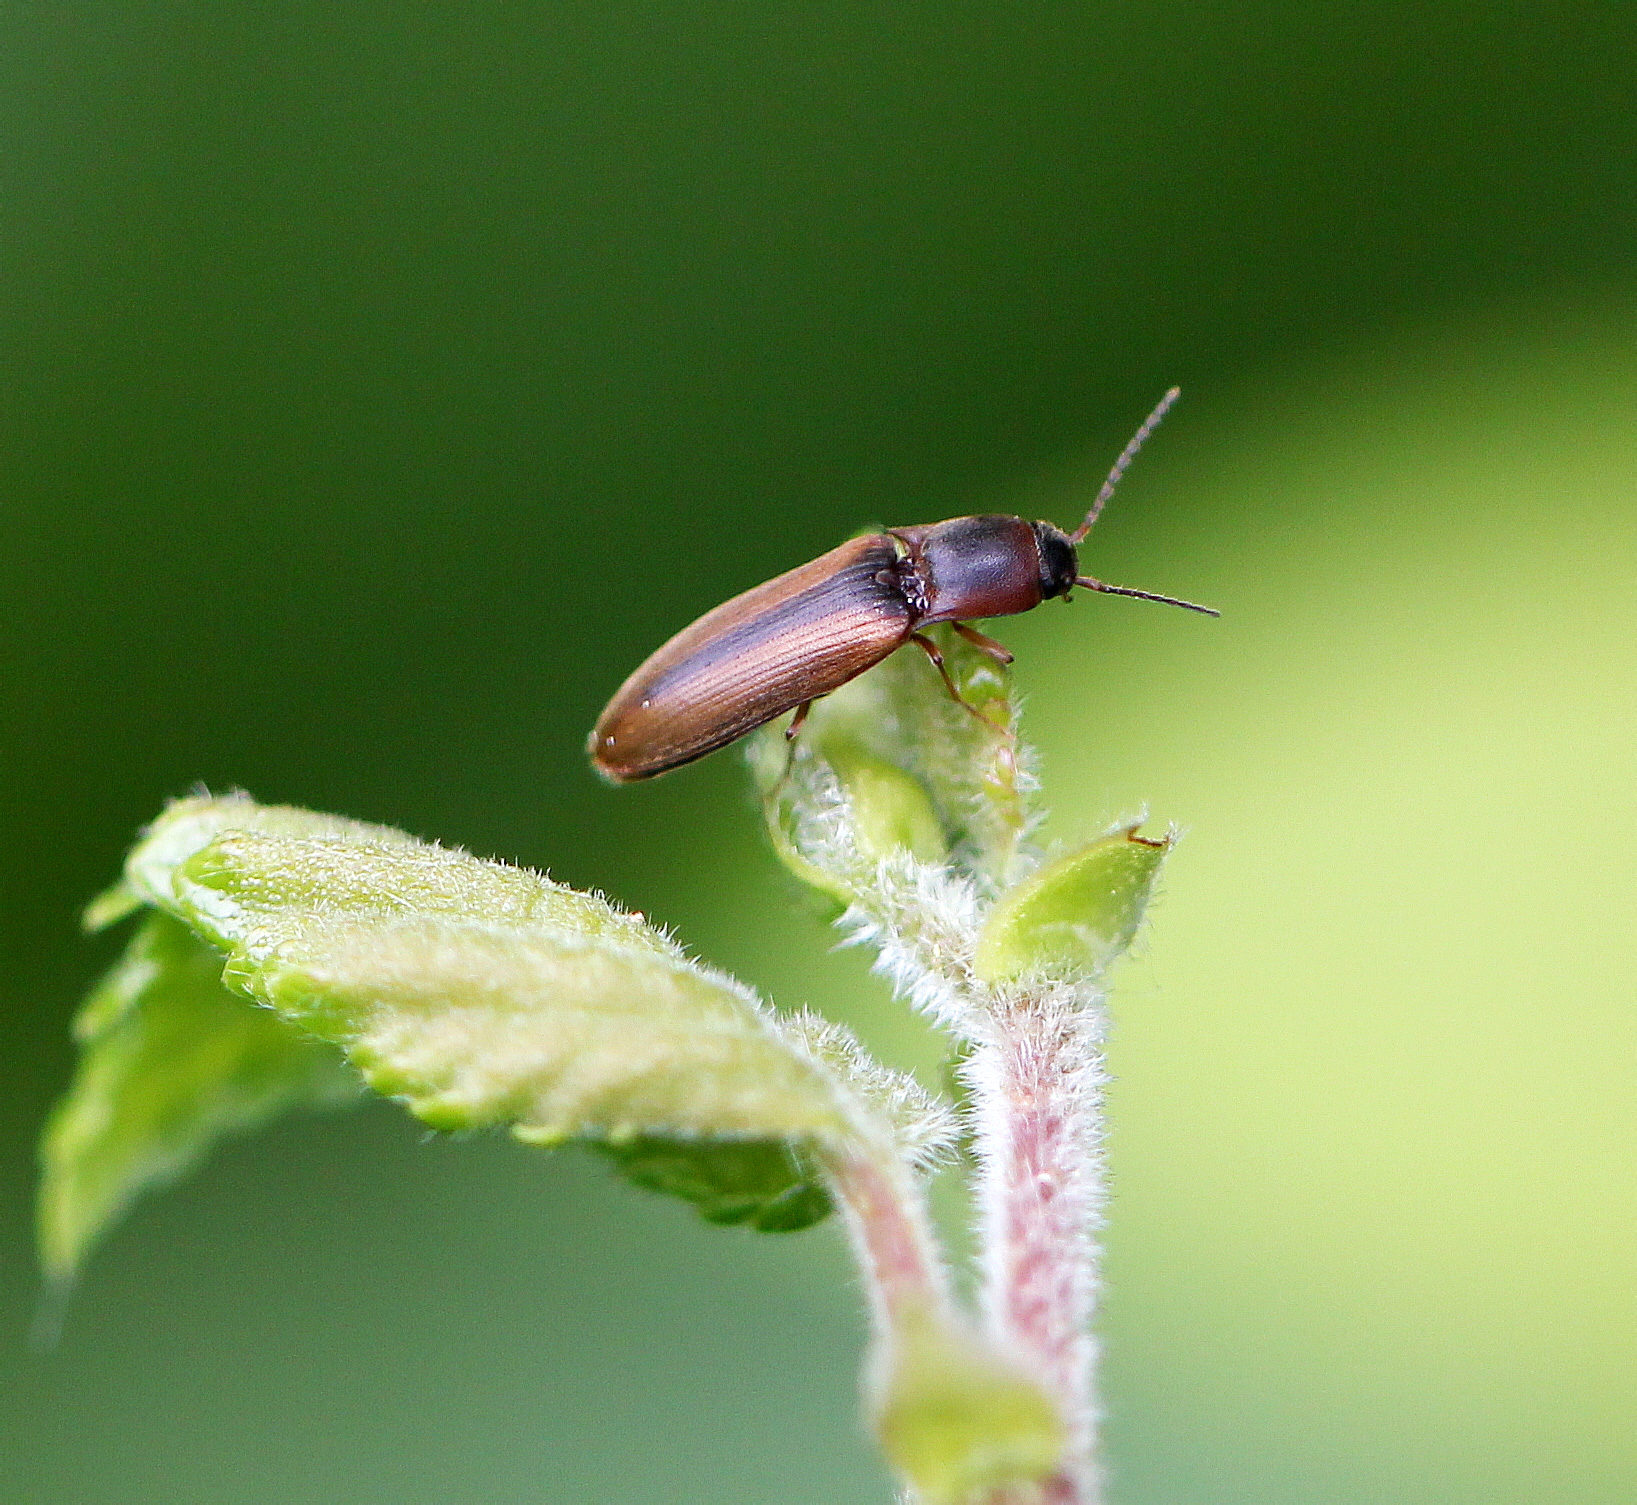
(381, 382)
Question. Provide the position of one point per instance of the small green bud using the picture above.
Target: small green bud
(1074, 916)
(891, 809)
(888, 810)
(917, 772)
(956, 1420)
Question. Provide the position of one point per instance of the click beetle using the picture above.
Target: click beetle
(807, 632)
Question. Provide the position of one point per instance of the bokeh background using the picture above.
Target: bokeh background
(382, 381)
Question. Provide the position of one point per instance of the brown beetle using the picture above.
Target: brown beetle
(807, 632)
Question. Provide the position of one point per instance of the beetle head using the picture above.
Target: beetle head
(1059, 563)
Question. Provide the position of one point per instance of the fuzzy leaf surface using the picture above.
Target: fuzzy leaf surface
(189, 824)
(482, 994)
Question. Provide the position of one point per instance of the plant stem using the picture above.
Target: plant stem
(1037, 1092)
(892, 1236)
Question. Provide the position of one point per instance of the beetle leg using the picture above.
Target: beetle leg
(930, 648)
(796, 723)
(932, 651)
(1001, 654)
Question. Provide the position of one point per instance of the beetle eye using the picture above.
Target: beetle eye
(1058, 562)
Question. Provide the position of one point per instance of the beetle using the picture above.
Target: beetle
(807, 632)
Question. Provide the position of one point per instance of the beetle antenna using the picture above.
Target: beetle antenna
(1127, 455)
(1121, 590)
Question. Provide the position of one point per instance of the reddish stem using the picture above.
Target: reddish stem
(1037, 1087)
(891, 1234)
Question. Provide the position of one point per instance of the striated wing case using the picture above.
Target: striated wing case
(800, 635)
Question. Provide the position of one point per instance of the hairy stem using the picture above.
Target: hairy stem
(892, 1237)
(1037, 1092)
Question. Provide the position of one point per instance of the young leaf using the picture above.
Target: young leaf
(170, 1062)
(766, 1184)
(924, 1129)
(1074, 916)
(480, 994)
(557, 1034)
(189, 824)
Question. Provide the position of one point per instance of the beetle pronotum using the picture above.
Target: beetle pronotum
(782, 645)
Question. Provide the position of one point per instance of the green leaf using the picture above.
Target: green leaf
(925, 1129)
(556, 1034)
(481, 994)
(766, 1184)
(957, 1420)
(1074, 916)
(891, 764)
(170, 1062)
(189, 824)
